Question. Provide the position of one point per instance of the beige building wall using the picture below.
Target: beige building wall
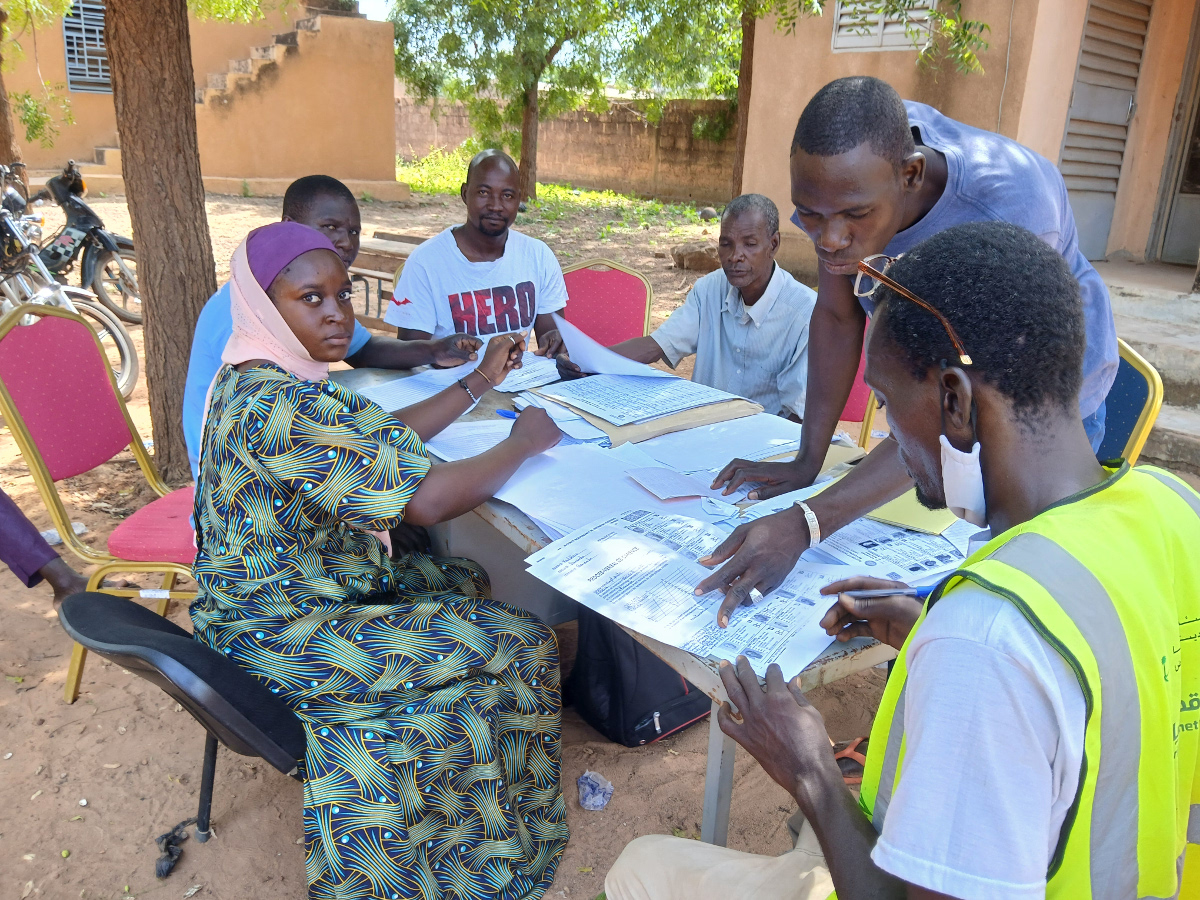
(327, 106)
(1024, 93)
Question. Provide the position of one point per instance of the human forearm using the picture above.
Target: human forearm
(412, 334)
(429, 417)
(870, 484)
(834, 347)
(390, 353)
(453, 488)
(639, 349)
(846, 835)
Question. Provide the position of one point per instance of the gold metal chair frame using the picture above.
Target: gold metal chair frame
(611, 264)
(107, 563)
(1154, 401)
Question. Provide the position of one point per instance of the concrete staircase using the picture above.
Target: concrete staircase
(1158, 316)
(223, 87)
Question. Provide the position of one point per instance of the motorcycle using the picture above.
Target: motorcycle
(109, 262)
(24, 278)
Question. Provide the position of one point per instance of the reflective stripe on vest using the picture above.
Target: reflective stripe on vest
(1114, 829)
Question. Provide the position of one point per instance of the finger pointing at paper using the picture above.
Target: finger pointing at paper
(758, 555)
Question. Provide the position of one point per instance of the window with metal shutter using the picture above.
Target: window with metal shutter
(1101, 107)
(858, 29)
(87, 55)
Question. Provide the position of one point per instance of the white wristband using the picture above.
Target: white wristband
(814, 527)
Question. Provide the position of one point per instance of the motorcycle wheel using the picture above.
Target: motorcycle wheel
(115, 282)
(115, 341)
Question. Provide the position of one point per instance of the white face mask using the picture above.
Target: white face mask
(962, 483)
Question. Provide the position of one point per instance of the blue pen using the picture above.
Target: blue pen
(506, 414)
(919, 592)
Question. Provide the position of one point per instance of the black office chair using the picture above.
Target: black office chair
(234, 707)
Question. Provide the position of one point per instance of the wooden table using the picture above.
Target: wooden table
(519, 531)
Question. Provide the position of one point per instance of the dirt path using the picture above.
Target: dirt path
(134, 757)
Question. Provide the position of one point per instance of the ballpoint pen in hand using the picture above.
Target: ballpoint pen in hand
(506, 414)
(919, 592)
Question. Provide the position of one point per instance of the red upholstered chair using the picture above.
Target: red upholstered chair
(607, 302)
(861, 405)
(58, 397)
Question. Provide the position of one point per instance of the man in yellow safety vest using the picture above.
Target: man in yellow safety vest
(1038, 735)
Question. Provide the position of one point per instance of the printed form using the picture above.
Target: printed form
(625, 399)
(640, 569)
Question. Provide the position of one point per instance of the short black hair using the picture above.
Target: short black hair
(484, 156)
(852, 111)
(765, 205)
(1013, 302)
(300, 194)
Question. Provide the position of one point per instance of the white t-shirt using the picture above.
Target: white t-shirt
(994, 728)
(441, 292)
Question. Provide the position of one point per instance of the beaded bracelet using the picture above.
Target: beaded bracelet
(462, 382)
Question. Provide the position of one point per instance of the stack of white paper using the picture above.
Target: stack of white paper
(535, 371)
(640, 569)
(628, 399)
(569, 422)
(596, 359)
(709, 448)
(571, 486)
(406, 390)
(461, 440)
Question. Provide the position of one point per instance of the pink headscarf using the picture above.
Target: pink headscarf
(259, 331)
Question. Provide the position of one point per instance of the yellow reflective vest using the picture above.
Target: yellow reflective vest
(1110, 578)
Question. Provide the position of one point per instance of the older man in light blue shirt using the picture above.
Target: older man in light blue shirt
(746, 323)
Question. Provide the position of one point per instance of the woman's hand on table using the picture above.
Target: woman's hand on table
(503, 354)
(536, 429)
(887, 619)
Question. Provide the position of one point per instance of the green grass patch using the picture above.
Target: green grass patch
(442, 172)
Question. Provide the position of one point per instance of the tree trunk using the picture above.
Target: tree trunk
(150, 55)
(527, 173)
(10, 148)
(745, 77)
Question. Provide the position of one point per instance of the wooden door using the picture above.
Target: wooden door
(1101, 108)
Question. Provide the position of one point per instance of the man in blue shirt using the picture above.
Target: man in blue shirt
(872, 176)
(327, 205)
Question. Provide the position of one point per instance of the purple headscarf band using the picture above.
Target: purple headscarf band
(271, 248)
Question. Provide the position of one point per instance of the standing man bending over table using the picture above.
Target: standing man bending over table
(1038, 734)
(874, 175)
(747, 323)
(327, 205)
(481, 278)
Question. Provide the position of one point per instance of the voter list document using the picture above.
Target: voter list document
(640, 569)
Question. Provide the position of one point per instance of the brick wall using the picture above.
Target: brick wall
(617, 151)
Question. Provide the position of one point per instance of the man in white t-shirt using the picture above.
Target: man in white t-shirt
(481, 278)
(1044, 646)
(746, 323)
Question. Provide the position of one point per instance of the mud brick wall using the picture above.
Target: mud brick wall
(619, 150)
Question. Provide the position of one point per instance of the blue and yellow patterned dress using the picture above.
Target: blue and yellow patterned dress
(432, 768)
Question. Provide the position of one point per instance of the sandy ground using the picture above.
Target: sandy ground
(126, 749)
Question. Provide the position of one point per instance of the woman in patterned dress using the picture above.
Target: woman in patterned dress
(431, 710)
